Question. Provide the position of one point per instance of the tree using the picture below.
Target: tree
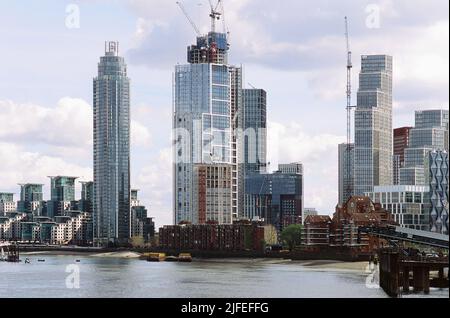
(291, 235)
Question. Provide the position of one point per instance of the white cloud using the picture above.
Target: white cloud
(67, 124)
(21, 166)
(155, 183)
(318, 153)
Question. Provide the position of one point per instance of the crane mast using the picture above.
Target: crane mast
(349, 186)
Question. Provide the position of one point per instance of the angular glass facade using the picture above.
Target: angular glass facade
(111, 149)
(373, 125)
(62, 188)
(438, 177)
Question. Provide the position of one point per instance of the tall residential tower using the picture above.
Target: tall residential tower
(207, 99)
(111, 149)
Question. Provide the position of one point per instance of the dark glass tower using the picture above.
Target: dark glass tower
(111, 149)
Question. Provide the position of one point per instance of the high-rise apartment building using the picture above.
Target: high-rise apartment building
(429, 133)
(62, 194)
(111, 102)
(373, 124)
(345, 171)
(31, 199)
(207, 99)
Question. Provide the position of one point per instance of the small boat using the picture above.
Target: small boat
(27, 261)
(185, 257)
(156, 257)
(77, 260)
(41, 260)
(171, 259)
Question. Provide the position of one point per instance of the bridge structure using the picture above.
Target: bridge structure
(397, 233)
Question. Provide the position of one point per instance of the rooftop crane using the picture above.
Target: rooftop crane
(215, 14)
(189, 18)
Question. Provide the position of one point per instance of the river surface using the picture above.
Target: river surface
(118, 277)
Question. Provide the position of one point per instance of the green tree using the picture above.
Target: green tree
(291, 235)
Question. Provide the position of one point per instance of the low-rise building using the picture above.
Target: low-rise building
(213, 237)
(10, 226)
(316, 231)
(7, 203)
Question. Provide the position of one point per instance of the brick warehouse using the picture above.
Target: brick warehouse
(239, 236)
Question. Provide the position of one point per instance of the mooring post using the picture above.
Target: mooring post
(418, 279)
(426, 280)
(406, 279)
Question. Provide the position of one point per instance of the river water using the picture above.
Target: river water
(118, 277)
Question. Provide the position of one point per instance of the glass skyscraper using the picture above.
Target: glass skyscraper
(255, 128)
(111, 149)
(207, 95)
(373, 125)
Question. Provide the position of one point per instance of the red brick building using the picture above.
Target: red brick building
(213, 237)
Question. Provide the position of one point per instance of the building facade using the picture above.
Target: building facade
(437, 176)
(276, 198)
(111, 102)
(409, 204)
(207, 99)
(429, 133)
(255, 130)
(31, 199)
(346, 154)
(7, 203)
(62, 194)
(401, 142)
(373, 124)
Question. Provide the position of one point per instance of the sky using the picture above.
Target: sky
(294, 49)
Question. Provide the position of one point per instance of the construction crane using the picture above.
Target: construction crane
(349, 186)
(214, 15)
(189, 18)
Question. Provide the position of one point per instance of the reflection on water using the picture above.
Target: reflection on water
(114, 277)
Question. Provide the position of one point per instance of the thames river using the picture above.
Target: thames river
(92, 276)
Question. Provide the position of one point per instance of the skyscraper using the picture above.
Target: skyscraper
(255, 128)
(111, 149)
(345, 177)
(207, 99)
(373, 124)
